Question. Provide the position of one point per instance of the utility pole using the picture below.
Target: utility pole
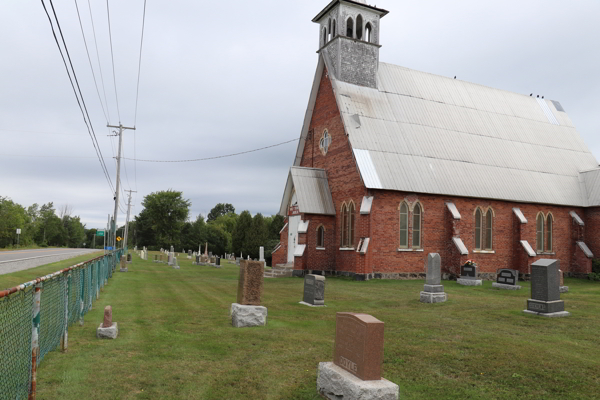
(127, 220)
(121, 128)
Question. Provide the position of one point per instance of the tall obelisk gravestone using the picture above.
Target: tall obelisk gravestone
(433, 291)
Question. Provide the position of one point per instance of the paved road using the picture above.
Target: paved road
(18, 260)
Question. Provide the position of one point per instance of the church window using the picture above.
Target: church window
(359, 26)
(334, 30)
(403, 225)
(369, 33)
(348, 225)
(483, 229)
(325, 142)
(416, 231)
(324, 36)
(544, 232)
(350, 28)
(329, 30)
(321, 236)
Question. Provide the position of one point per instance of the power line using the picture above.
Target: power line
(90, 128)
(137, 93)
(216, 157)
(98, 58)
(112, 56)
(90, 61)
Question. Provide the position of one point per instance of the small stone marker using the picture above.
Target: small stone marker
(129, 258)
(261, 251)
(175, 265)
(248, 311)
(561, 285)
(355, 372)
(433, 291)
(123, 264)
(197, 262)
(156, 258)
(314, 290)
(469, 272)
(507, 279)
(218, 262)
(107, 329)
(545, 295)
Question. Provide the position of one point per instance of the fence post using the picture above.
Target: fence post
(35, 335)
(98, 268)
(81, 297)
(65, 339)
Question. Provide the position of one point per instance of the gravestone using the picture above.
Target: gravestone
(197, 262)
(355, 372)
(248, 311)
(261, 251)
(218, 262)
(433, 290)
(507, 279)
(170, 259)
(129, 260)
(561, 285)
(123, 264)
(107, 329)
(210, 254)
(469, 275)
(314, 290)
(175, 264)
(156, 258)
(545, 294)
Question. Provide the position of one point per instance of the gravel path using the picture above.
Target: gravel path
(14, 266)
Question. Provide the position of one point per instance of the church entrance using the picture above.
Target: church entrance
(293, 222)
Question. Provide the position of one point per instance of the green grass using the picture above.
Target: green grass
(176, 340)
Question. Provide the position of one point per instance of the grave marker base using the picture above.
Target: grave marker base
(549, 315)
(428, 297)
(505, 287)
(313, 305)
(246, 316)
(123, 270)
(108, 333)
(335, 383)
(540, 306)
(563, 289)
(469, 282)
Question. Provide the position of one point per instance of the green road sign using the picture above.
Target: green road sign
(99, 233)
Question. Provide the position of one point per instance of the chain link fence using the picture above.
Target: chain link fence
(35, 316)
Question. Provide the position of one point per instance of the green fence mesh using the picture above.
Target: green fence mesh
(16, 314)
(52, 314)
(15, 345)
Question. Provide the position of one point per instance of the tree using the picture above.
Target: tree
(164, 216)
(218, 210)
(276, 225)
(257, 236)
(242, 228)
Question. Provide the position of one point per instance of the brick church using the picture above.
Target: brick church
(394, 163)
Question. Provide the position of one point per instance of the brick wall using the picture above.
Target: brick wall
(592, 229)
(280, 256)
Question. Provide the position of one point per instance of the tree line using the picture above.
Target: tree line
(164, 222)
(40, 225)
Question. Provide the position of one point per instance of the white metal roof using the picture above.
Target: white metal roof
(430, 134)
(591, 180)
(312, 191)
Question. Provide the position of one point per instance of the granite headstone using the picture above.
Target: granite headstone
(250, 283)
(545, 294)
(314, 290)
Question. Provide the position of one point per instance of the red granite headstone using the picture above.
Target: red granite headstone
(359, 345)
(250, 282)
(107, 317)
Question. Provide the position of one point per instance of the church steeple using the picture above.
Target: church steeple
(349, 40)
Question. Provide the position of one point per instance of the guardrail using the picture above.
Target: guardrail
(35, 317)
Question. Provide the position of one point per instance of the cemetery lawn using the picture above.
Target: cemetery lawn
(176, 340)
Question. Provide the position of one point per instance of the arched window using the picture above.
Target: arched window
(321, 236)
(351, 225)
(416, 228)
(350, 28)
(329, 30)
(478, 225)
(403, 225)
(344, 234)
(488, 230)
(359, 27)
(540, 232)
(334, 30)
(324, 36)
(549, 233)
(369, 33)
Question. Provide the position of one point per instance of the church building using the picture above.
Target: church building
(393, 164)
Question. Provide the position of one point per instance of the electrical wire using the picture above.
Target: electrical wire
(112, 56)
(89, 126)
(216, 157)
(137, 92)
(98, 59)
(90, 61)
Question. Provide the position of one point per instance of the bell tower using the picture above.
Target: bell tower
(349, 40)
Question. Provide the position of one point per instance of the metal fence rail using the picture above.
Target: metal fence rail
(35, 316)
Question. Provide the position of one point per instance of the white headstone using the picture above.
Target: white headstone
(262, 254)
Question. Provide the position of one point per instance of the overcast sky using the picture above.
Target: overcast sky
(221, 77)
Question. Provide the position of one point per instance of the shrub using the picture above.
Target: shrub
(596, 266)
(594, 276)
